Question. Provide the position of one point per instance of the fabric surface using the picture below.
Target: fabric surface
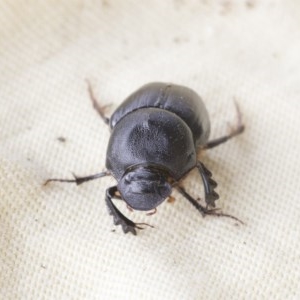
(58, 241)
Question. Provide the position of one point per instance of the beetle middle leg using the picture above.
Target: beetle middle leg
(79, 180)
(99, 109)
(239, 128)
(119, 218)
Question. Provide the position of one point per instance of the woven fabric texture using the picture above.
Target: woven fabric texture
(58, 241)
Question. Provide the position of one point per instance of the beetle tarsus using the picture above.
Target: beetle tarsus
(209, 185)
(205, 210)
(213, 212)
(98, 108)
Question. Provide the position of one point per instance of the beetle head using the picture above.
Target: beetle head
(144, 188)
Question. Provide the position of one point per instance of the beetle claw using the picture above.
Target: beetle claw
(126, 226)
(127, 229)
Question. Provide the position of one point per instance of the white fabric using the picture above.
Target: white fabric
(57, 242)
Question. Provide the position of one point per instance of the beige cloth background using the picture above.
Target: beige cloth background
(57, 242)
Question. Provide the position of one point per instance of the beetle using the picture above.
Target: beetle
(156, 134)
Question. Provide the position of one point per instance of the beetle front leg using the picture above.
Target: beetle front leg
(99, 109)
(209, 184)
(239, 128)
(119, 218)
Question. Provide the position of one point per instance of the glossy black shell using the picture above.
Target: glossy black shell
(161, 124)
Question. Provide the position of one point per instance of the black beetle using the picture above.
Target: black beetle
(155, 136)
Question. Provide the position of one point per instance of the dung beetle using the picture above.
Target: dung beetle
(156, 134)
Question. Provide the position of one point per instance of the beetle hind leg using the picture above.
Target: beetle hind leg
(100, 109)
(239, 128)
(204, 210)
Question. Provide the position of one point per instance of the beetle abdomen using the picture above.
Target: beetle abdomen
(180, 100)
(151, 136)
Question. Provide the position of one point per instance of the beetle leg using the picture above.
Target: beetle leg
(99, 109)
(240, 127)
(79, 180)
(119, 218)
(209, 184)
(204, 211)
(220, 214)
(194, 202)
